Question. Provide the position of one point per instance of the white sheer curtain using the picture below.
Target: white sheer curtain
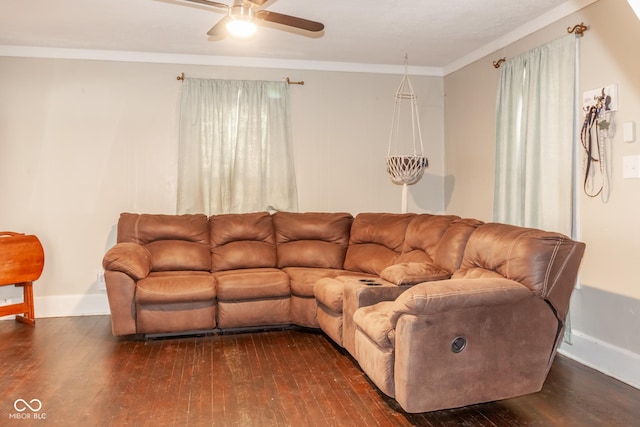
(535, 138)
(235, 151)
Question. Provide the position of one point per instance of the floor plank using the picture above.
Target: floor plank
(82, 375)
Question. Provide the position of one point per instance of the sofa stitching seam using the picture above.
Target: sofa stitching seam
(551, 262)
(476, 291)
(147, 291)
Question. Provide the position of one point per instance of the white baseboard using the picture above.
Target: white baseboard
(66, 305)
(613, 361)
(71, 305)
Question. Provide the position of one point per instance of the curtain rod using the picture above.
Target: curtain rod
(578, 29)
(181, 77)
(290, 82)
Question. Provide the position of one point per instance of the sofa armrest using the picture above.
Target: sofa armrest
(412, 273)
(130, 258)
(369, 295)
(357, 295)
(457, 294)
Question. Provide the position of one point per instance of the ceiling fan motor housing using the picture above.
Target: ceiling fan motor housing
(240, 11)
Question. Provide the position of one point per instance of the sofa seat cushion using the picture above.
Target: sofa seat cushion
(252, 284)
(176, 287)
(329, 292)
(303, 279)
(374, 321)
(412, 273)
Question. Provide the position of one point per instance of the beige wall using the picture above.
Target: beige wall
(82, 141)
(607, 55)
(470, 96)
(611, 55)
(608, 307)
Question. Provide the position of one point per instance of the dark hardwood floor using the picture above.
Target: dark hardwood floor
(80, 375)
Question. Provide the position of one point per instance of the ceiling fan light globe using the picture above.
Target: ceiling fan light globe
(241, 28)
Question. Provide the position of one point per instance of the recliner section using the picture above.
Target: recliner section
(251, 289)
(488, 333)
(310, 246)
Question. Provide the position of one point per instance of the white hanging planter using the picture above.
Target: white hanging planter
(405, 169)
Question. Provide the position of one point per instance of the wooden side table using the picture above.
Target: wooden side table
(21, 263)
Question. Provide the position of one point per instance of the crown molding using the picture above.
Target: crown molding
(226, 61)
(554, 15)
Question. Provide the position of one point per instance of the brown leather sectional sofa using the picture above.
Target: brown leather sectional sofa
(439, 311)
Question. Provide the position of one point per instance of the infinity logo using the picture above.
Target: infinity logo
(21, 405)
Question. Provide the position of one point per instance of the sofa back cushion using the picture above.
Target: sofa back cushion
(376, 241)
(450, 249)
(424, 233)
(312, 239)
(545, 262)
(432, 249)
(242, 241)
(175, 242)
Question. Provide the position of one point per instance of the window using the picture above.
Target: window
(235, 150)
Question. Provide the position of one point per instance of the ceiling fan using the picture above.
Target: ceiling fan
(242, 15)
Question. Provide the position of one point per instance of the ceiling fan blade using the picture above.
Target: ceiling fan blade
(290, 21)
(210, 3)
(220, 29)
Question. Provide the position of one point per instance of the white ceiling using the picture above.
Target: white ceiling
(436, 35)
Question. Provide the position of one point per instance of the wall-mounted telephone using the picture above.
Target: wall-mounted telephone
(597, 128)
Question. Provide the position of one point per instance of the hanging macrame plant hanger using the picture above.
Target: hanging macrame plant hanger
(405, 169)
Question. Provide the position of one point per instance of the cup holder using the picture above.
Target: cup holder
(458, 344)
(369, 282)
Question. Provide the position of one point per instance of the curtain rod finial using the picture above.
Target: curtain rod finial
(498, 63)
(578, 29)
